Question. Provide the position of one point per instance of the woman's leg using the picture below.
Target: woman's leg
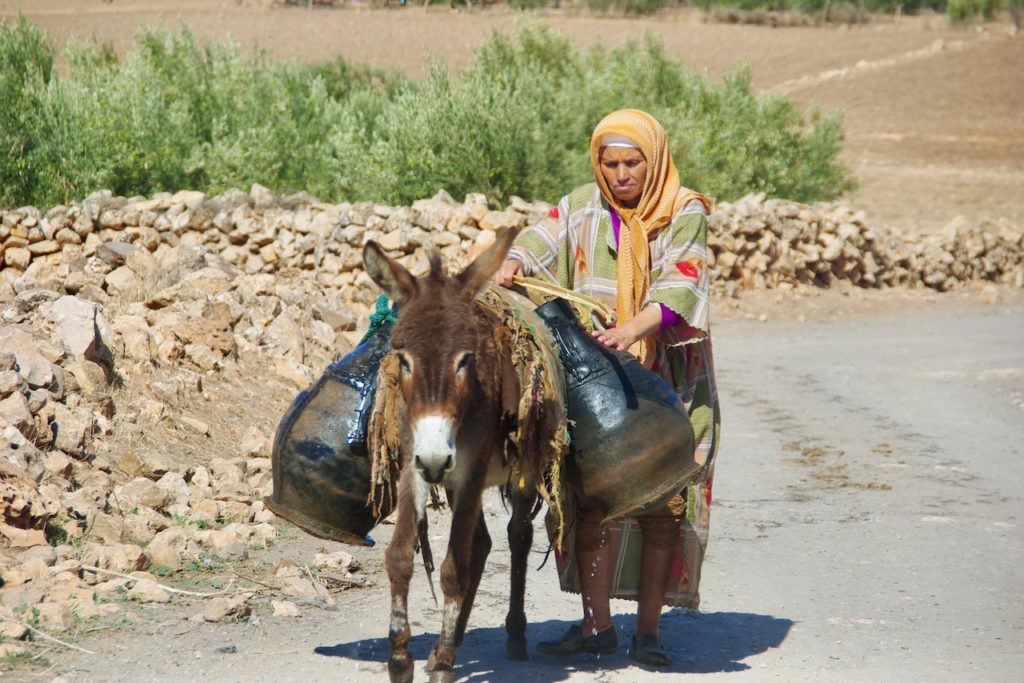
(660, 531)
(593, 560)
(594, 587)
(655, 565)
(596, 634)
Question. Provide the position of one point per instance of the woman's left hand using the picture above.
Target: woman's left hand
(631, 331)
(619, 338)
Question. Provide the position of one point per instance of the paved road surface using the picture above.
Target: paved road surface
(892, 551)
(867, 528)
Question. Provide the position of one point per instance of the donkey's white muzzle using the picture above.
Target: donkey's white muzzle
(433, 447)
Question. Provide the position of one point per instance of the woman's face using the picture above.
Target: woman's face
(625, 170)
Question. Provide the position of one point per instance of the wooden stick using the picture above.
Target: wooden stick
(312, 578)
(55, 640)
(42, 653)
(347, 580)
(249, 578)
(167, 588)
(605, 313)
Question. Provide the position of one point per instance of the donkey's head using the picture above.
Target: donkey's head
(442, 348)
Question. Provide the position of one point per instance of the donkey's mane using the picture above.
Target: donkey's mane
(436, 266)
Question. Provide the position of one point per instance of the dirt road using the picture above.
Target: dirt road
(866, 528)
(932, 113)
(869, 488)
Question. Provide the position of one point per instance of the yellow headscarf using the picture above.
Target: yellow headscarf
(661, 199)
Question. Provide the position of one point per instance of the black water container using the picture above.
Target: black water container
(632, 441)
(321, 469)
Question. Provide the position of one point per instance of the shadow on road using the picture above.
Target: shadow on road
(698, 643)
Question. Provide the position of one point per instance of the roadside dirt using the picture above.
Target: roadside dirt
(932, 113)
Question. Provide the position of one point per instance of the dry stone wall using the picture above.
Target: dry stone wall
(759, 243)
(116, 289)
(104, 244)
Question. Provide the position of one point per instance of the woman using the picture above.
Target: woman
(637, 240)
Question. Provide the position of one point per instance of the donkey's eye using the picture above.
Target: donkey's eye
(404, 363)
(462, 362)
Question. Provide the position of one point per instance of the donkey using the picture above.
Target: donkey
(455, 385)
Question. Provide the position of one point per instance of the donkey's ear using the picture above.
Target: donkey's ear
(477, 273)
(390, 275)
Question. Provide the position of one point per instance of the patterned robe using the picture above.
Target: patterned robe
(575, 247)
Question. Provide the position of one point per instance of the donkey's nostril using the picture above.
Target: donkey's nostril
(448, 463)
(419, 463)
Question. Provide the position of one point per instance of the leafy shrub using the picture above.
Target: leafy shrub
(177, 112)
(628, 6)
(108, 126)
(504, 127)
(961, 10)
(342, 78)
(817, 7)
(519, 120)
(26, 66)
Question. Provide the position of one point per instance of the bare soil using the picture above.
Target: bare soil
(932, 113)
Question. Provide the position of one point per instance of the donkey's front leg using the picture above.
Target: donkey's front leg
(456, 578)
(477, 560)
(520, 539)
(399, 561)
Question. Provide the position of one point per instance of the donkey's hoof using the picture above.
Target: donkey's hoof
(400, 669)
(440, 666)
(515, 649)
(443, 675)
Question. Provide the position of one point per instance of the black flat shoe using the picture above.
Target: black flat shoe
(573, 643)
(647, 650)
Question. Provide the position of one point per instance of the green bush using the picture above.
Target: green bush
(629, 6)
(26, 67)
(179, 112)
(818, 6)
(505, 126)
(528, 4)
(108, 126)
(961, 10)
(342, 78)
(519, 121)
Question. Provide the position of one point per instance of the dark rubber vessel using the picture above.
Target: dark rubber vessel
(632, 442)
(320, 464)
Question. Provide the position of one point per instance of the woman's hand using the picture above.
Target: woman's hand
(619, 338)
(633, 330)
(509, 269)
